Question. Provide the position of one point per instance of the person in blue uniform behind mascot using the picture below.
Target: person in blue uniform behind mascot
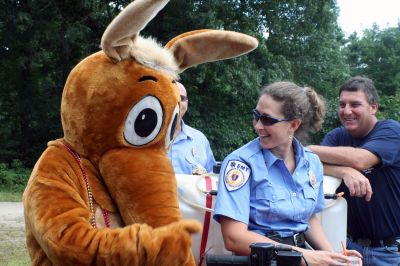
(271, 188)
(190, 152)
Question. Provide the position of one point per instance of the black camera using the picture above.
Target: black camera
(262, 254)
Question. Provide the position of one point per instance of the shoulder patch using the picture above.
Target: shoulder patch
(236, 175)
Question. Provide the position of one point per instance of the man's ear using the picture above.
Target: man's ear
(374, 108)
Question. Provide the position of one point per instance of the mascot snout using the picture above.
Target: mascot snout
(145, 191)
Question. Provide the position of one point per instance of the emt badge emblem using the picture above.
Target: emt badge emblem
(236, 175)
(313, 178)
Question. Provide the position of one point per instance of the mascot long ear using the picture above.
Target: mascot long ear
(201, 46)
(119, 37)
(189, 49)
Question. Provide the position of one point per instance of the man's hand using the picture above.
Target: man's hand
(357, 183)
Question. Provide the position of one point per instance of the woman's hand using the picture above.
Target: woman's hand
(328, 258)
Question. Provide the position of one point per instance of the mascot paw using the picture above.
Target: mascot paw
(172, 244)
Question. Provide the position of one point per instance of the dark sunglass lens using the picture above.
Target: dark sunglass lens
(267, 121)
(184, 98)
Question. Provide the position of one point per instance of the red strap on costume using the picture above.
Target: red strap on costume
(207, 218)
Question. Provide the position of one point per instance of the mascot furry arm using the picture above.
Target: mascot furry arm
(106, 193)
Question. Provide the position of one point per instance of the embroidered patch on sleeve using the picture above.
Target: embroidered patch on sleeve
(236, 175)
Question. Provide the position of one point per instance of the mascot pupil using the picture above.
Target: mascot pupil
(106, 193)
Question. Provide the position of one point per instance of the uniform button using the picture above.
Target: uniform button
(294, 194)
(297, 173)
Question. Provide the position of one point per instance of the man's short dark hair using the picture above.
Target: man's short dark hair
(364, 84)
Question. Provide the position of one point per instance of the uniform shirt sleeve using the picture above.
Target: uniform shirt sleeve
(210, 157)
(385, 142)
(319, 171)
(235, 203)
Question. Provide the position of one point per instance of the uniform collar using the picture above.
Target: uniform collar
(299, 155)
(185, 132)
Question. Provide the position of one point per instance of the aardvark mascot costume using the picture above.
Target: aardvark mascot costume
(106, 193)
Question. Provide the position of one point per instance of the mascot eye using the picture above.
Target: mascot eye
(144, 121)
(172, 127)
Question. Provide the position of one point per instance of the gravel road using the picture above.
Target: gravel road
(12, 235)
(12, 214)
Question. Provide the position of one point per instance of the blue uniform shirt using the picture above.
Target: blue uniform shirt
(256, 188)
(191, 150)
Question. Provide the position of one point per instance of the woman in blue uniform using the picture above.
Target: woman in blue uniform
(271, 188)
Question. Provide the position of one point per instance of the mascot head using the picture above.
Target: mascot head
(120, 107)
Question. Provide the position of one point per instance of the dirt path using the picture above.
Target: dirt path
(11, 214)
(12, 235)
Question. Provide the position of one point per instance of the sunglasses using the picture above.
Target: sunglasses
(267, 120)
(184, 98)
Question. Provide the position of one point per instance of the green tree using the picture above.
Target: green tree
(40, 42)
(376, 55)
(307, 35)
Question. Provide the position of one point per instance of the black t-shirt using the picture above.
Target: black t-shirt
(380, 217)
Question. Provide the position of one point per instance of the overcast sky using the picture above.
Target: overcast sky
(357, 15)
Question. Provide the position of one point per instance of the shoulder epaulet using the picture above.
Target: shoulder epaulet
(308, 150)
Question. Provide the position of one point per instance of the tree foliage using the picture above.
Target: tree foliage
(377, 55)
(40, 43)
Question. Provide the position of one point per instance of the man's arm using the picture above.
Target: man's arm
(357, 158)
(357, 183)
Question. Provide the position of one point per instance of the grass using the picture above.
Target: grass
(13, 247)
(10, 196)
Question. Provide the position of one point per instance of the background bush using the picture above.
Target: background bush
(13, 176)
